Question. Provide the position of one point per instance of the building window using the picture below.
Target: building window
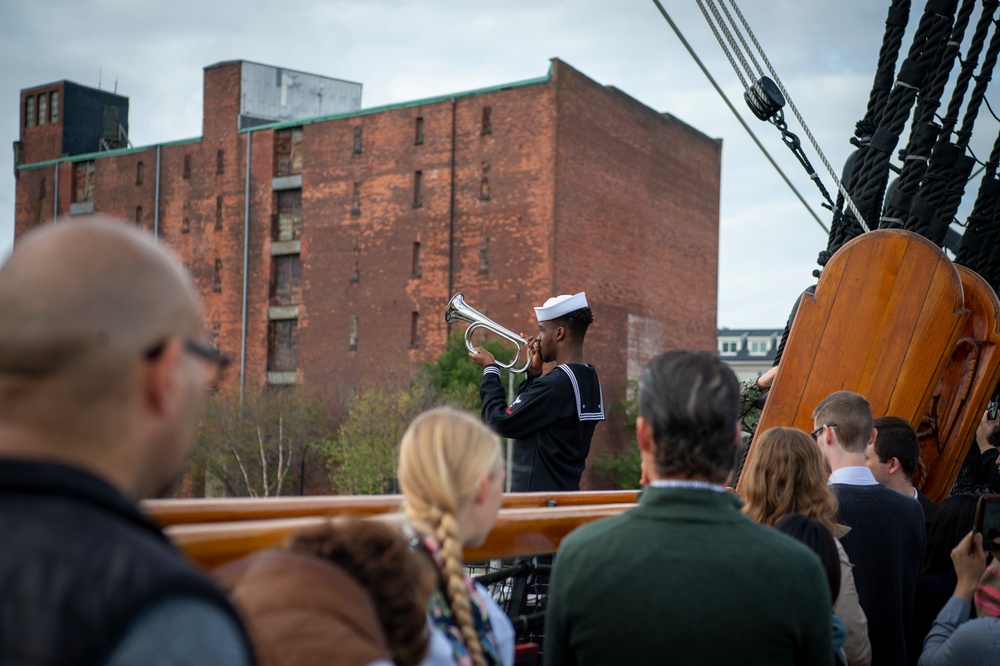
(352, 339)
(484, 260)
(186, 219)
(356, 199)
(83, 182)
(416, 261)
(484, 182)
(187, 167)
(729, 346)
(414, 329)
(487, 123)
(288, 152)
(138, 173)
(216, 327)
(757, 347)
(418, 189)
(289, 222)
(43, 109)
(218, 213)
(54, 106)
(356, 266)
(217, 280)
(418, 140)
(357, 140)
(287, 278)
(29, 111)
(283, 345)
(220, 161)
(41, 188)
(138, 216)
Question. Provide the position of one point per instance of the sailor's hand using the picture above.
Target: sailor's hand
(482, 357)
(766, 379)
(535, 369)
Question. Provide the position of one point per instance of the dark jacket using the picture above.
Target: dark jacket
(552, 420)
(685, 578)
(79, 564)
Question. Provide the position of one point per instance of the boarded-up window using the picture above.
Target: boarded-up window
(220, 161)
(356, 266)
(186, 173)
(43, 108)
(352, 339)
(29, 111)
(289, 225)
(217, 280)
(288, 152)
(419, 139)
(357, 140)
(285, 285)
(186, 218)
(415, 272)
(414, 329)
(484, 258)
(418, 189)
(282, 345)
(138, 216)
(484, 182)
(54, 106)
(356, 199)
(139, 173)
(218, 213)
(83, 182)
(41, 189)
(216, 327)
(487, 121)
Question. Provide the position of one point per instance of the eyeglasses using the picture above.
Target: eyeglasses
(219, 360)
(815, 433)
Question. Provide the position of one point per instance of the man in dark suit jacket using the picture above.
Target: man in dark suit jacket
(685, 577)
(887, 537)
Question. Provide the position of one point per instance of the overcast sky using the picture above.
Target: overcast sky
(825, 53)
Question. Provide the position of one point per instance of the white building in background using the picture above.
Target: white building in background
(748, 351)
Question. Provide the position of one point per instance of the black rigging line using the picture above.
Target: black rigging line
(732, 108)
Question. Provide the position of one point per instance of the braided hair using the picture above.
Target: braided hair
(442, 459)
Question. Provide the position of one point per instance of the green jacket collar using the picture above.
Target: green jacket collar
(689, 505)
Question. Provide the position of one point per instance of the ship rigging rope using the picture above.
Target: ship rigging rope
(736, 113)
(774, 75)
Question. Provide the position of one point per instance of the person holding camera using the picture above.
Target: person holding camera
(954, 638)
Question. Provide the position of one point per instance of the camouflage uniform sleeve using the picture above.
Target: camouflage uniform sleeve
(750, 391)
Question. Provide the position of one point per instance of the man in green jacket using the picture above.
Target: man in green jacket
(684, 577)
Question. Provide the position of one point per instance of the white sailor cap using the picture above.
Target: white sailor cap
(561, 305)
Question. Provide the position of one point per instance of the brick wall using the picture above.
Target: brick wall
(562, 186)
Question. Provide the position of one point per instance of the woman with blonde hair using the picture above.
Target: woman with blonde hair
(452, 476)
(788, 474)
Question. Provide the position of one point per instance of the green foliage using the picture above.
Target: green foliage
(363, 455)
(618, 470)
(453, 379)
(249, 449)
(622, 470)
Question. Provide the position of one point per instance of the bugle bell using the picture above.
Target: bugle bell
(459, 310)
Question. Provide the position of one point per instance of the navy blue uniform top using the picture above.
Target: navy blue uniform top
(552, 421)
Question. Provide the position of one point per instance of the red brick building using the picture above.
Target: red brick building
(326, 248)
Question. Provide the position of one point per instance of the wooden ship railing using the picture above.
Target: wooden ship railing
(528, 525)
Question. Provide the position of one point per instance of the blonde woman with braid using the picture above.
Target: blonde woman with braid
(452, 477)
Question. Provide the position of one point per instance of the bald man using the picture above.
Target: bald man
(104, 366)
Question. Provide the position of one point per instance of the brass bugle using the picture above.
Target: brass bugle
(459, 310)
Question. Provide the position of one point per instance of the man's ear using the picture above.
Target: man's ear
(559, 334)
(871, 440)
(159, 376)
(893, 465)
(482, 488)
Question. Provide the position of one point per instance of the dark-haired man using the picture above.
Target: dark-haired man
(685, 577)
(886, 541)
(893, 458)
(553, 417)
